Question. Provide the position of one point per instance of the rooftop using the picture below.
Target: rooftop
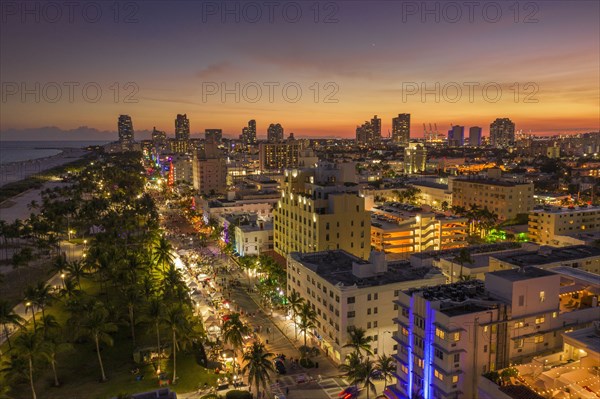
(492, 182)
(546, 255)
(430, 184)
(589, 337)
(336, 267)
(566, 209)
(473, 249)
(524, 273)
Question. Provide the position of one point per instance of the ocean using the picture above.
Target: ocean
(17, 151)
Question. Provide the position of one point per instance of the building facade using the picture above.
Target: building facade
(209, 172)
(275, 133)
(474, 136)
(348, 292)
(182, 127)
(415, 158)
(317, 212)
(401, 129)
(550, 225)
(502, 133)
(505, 198)
(279, 155)
(125, 130)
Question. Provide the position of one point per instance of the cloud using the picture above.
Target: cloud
(54, 133)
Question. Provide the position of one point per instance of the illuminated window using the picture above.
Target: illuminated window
(519, 324)
(554, 315)
(540, 320)
(419, 362)
(454, 379)
(485, 329)
(404, 331)
(539, 339)
(404, 369)
(456, 336)
(440, 333)
(438, 375)
(542, 296)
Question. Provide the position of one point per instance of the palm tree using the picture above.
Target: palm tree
(234, 331)
(132, 298)
(41, 297)
(295, 302)
(163, 253)
(367, 367)
(258, 364)
(307, 321)
(351, 368)
(387, 366)
(155, 312)
(176, 320)
(359, 341)
(32, 347)
(461, 258)
(77, 269)
(9, 317)
(96, 326)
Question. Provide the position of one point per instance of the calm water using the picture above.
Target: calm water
(15, 151)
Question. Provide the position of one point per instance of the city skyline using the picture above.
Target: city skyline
(368, 60)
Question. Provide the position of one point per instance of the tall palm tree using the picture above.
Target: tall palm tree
(176, 321)
(307, 321)
(461, 258)
(9, 317)
(258, 364)
(295, 302)
(29, 297)
(351, 368)
(162, 253)
(42, 297)
(234, 331)
(96, 326)
(32, 347)
(367, 367)
(359, 341)
(155, 312)
(387, 366)
(132, 299)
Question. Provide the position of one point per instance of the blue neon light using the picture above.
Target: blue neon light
(428, 352)
(411, 342)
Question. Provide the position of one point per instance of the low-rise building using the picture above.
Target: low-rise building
(450, 335)
(404, 229)
(553, 225)
(578, 256)
(348, 292)
(505, 198)
(436, 195)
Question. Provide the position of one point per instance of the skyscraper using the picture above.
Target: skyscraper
(213, 135)
(456, 136)
(475, 136)
(369, 133)
(182, 127)
(502, 133)
(125, 128)
(401, 129)
(251, 131)
(275, 133)
(159, 139)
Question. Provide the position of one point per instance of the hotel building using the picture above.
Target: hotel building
(554, 225)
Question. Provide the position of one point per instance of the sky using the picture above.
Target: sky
(320, 68)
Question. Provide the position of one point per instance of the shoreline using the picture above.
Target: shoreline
(20, 170)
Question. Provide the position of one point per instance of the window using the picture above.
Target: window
(519, 343)
(439, 354)
(350, 299)
(485, 329)
(454, 379)
(457, 358)
(521, 300)
(418, 362)
(519, 324)
(404, 332)
(404, 369)
(351, 314)
(456, 336)
(542, 296)
(376, 296)
(369, 297)
(554, 315)
(369, 325)
(440, 333)
(485, 348)
(369, 311)
(375, 310)
(540, 320)
(538, 339)
(374, 324)
(438, 375)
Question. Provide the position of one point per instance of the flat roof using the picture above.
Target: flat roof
(589, 337)
(524, 273)
(431, 185)
(546, 255)
(578, 274)
(473, 249)
(336, 267)
(564, 209)
(492, 182)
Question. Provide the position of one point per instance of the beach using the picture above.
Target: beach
(15, 171)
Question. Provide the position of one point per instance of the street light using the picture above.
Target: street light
(62, 276)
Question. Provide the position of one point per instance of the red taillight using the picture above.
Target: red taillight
(348, 396)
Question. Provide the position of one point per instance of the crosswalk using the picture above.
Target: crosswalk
(332, 386)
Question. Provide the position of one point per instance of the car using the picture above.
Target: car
(349, 393)
(279, 366)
